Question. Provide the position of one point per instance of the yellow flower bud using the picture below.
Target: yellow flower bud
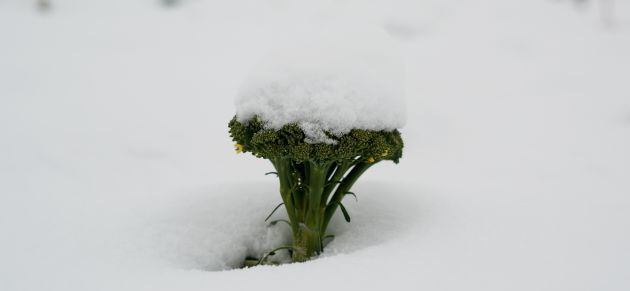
(238, 148)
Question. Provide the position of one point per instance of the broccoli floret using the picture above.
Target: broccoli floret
(314, 177)
(288, 142)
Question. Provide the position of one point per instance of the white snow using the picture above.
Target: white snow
(117, 171)
(327, 79)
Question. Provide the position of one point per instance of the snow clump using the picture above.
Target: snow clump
(327, 81)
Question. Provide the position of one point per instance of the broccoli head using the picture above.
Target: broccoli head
(289, 142)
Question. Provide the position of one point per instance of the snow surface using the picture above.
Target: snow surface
(117, 172)
(333, 78)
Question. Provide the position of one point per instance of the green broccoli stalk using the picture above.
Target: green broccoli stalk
(314, 177)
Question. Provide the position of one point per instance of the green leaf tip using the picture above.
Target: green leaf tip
(274, 210)
(352, 193)
(346, 216)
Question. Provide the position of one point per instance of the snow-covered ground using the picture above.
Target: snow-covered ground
(117, 171)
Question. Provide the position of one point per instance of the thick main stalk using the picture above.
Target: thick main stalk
(307, 242)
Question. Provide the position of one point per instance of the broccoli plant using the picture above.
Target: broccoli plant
(314, 177)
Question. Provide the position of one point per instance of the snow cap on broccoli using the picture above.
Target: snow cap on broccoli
(328, 83)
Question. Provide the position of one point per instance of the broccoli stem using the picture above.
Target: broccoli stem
(305, 189)
(342, 189)
(304, 204)
(339, 171)
(306, 244)
(286, 189)
(308, 239)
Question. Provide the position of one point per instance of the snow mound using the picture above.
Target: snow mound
(217, 232)
(327, 80)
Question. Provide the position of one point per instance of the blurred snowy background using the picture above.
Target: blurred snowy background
(117, 171)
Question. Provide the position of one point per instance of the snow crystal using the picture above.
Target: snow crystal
(329, 81)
